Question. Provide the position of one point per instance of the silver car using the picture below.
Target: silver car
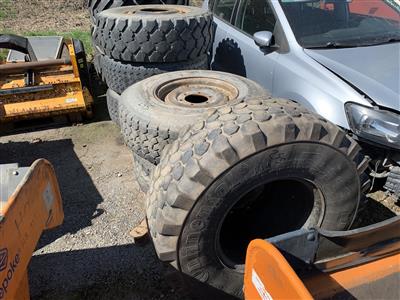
(338, 58)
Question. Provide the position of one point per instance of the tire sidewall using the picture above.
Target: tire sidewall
(142, 99)
(121, 12)
(197, 241)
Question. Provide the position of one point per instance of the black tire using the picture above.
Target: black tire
(120, 75)
(98, 64)
(97, 6)
(113, 99)
(83, 69)
(154, 33)
(205, 203)
(153, 111)
(143, 171)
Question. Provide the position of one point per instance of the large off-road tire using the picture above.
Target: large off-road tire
(98, 64)
(252, 170)
(113, 99)
(143, 172)
(97, 6)
(120, 75)
(154, 33)
(153, 111)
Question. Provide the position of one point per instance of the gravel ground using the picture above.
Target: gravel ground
(92, 255)
(43, 15)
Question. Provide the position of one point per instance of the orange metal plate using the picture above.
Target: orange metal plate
(34, 206)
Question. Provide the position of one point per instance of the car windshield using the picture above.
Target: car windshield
(343, 23)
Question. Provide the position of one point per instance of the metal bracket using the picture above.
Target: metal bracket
(10, 176)
(330, 250)
(18, 43)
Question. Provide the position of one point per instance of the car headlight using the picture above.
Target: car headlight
(379, 126)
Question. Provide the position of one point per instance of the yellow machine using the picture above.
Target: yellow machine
(317, 264)
(30, 202)
(43, 77)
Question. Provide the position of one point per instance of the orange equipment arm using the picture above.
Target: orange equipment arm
(269, 276)
(322, 264)
(34, 206)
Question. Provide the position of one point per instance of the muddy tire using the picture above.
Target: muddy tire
(153, 111)
(154, 33)
(208, 194)
(113, 99)
(120, 75)
(143, 170)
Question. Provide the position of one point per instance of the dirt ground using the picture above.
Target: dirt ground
(92, 255)
(23, 16)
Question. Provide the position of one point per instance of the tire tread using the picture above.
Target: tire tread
(285, 122)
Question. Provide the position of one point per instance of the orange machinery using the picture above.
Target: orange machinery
(43, 77)
(30, 202)
(317, 264)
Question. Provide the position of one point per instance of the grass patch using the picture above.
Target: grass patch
(6, 10)
(3, 54)
(84, 36)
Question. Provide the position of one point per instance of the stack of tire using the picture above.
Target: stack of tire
(220, 160)
(136, 42)
(154, 111)
(222, 163)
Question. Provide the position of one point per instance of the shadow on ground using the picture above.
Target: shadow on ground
(79, 194)
(119, 272)
(372, 212)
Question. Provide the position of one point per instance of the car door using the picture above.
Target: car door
(234, 49)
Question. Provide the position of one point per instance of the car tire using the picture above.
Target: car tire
(207, 197)
(154, 33)
(153, 111)
(120, 75)
(143, 171)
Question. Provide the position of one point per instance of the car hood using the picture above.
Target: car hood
(374, 70)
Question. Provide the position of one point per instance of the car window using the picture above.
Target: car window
(224, 9)
(343, 23)
(382, 9)
(255, 15)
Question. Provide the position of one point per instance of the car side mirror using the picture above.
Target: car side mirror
(263, 38)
